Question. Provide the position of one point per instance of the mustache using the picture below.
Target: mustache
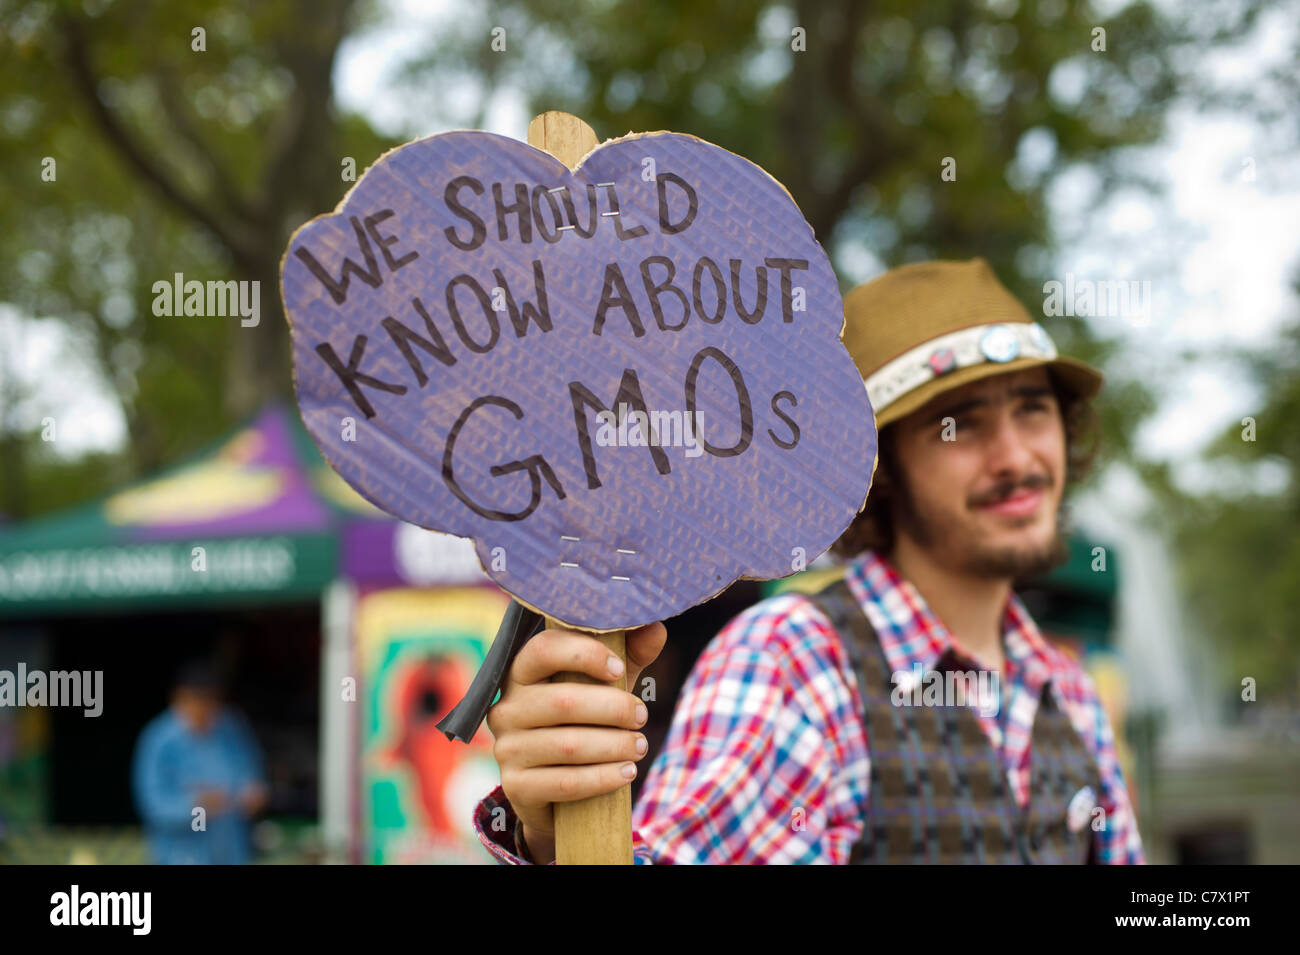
(1004, 489)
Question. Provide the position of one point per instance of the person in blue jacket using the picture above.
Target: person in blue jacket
(197, 776)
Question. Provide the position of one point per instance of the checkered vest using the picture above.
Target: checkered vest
(938, 791)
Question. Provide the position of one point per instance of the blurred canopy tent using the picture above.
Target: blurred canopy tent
(254, 547)
(260, 517)
(257, 517)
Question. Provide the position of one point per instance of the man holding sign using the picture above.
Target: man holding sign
(617, 367)
(909, 713)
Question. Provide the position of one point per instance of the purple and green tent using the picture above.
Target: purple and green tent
(257, 517)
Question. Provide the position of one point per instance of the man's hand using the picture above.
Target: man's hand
(212, 799)
(253, 799)
(561, 742)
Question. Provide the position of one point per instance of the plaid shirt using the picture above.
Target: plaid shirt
(769, 722)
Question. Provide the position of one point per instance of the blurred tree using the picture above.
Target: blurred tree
(164, 150)
(1238, 546)
(171, 159)
(857, 106)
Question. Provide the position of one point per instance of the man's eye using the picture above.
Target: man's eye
(1034, 406)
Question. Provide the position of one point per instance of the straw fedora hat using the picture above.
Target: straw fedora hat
(926, 328)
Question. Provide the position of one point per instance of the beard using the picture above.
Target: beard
(968, 553)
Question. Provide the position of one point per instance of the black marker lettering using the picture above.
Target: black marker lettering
(785, 265)
(693, 204)
(653, 291)
(719, 291)
(534, 464)
(539, 314)
(624, 234)
(794, 428)
(614, 282)
(485, 301)
(742, 398)
(593, 216)
(453, 203)
(352, 377)
(384, 241)
(629, 393)
(760, 278)
(554, 235)
(404, 337)
(519, 208)
(339, 289)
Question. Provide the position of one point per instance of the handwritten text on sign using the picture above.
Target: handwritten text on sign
(625, 383)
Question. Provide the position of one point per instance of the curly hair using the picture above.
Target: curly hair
(873, 528)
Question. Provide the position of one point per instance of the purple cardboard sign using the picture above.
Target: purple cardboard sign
(625, 382)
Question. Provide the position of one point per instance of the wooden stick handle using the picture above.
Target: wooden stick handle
(563, 135)
(595, 831)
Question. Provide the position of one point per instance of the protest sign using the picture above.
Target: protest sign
(618, 370)
(624, 382)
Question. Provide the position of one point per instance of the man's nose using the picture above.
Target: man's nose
(1008, 452)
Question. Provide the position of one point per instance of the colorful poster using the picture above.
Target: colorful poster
(418, 650)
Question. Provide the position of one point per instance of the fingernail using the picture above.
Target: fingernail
(641, 745)
(615, 666)
(641, 714)
(629, 770)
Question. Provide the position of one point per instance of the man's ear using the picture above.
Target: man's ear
(888, 467)
(882, 483)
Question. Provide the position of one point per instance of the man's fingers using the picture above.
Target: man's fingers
(564, 651)
(563, 704)
(644, 646)
(568, 745)
(550, 784)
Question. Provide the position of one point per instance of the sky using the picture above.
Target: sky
(1235, 240)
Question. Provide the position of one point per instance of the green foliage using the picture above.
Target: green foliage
(1238, 545)
(858, 124)
(168, 159)
(172, 160)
